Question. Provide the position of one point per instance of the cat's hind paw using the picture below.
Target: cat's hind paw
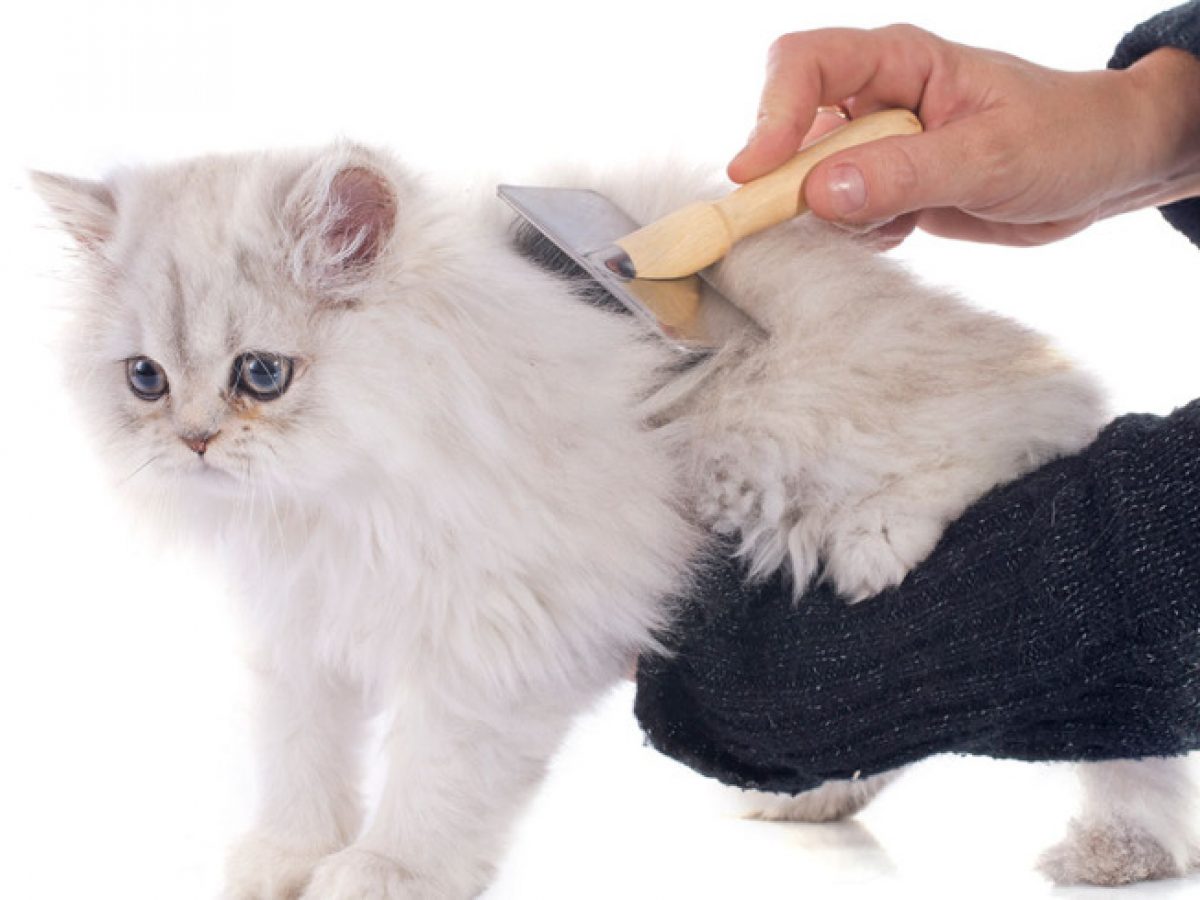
(1113, 853)
(742, 492)
(831, 802)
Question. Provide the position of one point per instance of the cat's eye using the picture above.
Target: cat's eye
(263, 376)
(146, 378)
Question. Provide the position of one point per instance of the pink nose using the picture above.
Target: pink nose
(198, 443)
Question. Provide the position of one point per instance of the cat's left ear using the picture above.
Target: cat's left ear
(342, 212)
(87, 210)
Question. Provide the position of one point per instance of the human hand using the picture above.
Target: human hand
(1012, 152)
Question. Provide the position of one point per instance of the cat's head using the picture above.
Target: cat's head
(211, 342)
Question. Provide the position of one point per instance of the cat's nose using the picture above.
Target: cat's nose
(198, 443)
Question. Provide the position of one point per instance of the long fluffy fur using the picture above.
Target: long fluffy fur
(477, 500)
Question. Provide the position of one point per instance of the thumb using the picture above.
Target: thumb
(879, 181)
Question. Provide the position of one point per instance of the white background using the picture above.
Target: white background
(122, 769)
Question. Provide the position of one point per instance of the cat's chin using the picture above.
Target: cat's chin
(203, 475)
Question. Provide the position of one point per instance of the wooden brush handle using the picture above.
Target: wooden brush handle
(685, 241)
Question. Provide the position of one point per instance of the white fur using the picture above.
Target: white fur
(1138, 822)
(474, 503)
(830, 802)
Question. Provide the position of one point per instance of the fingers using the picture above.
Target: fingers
(827, 119)
(771, 144)
(892, 234)
(786, 109)
(888, 66)
(882, 237)
(955, 224)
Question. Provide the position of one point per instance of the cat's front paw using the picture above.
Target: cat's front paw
(1114, 853)
(359, 874)
(263, 867)
(870, 548)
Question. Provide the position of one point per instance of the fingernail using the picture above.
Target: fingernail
(847, 190)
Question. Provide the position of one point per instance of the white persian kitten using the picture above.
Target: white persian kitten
(454, 493)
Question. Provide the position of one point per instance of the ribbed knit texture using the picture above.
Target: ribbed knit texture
(1058, 619)
(1180, 28)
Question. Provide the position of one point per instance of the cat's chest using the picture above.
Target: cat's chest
(360, 599)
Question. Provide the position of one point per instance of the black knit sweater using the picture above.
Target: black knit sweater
(1058, 619)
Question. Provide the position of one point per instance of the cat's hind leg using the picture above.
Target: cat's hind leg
(742, 492)
(831, 802)
(1138, 823)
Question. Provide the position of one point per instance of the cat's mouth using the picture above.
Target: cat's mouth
(202, 468)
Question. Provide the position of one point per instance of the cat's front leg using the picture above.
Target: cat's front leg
(456, 782)
(308, 727)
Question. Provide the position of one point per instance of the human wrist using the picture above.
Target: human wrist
(1164, 95)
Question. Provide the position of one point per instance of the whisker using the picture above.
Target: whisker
(156, 456)
(278, 522)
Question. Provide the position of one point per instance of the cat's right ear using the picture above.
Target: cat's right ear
(86, 210)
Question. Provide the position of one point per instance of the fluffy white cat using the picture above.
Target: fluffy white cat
(455, 494)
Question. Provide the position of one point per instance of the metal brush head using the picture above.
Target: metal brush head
(688, 313)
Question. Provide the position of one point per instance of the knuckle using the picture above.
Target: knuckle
(797, 45)
(904, 172)
(783, 47)
(897, 183)
(903, 32)
(915, 46)
(995, 159)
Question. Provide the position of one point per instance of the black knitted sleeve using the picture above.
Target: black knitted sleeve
(1180, 28)
(1058, 619)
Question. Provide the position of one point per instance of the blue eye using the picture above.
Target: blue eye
(146, 378)
(263, 376)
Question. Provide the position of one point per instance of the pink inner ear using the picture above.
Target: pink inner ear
(365, 212)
